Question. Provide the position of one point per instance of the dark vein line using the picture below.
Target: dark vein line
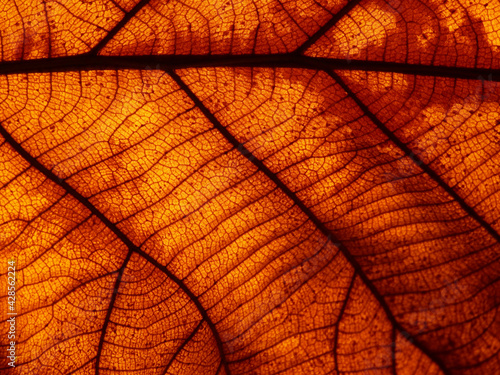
(219, 368)
(314, 219)
(341, 314)
(295, 289)
(132, 248)
(111, 34)
(169, 62)
(419, 162)
(327, 26)
(393, 351)
(184, 343)
(403, 68)
(107, 319)
(195, 300)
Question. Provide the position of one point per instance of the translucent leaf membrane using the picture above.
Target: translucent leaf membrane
(38, 29)
(66, 263)
(199, 263)
(436, 267)
(221, 27)
(454, 33)
(452, 125)
(150, 238)
(154, 324)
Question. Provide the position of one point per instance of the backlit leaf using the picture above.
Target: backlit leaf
(250, 187)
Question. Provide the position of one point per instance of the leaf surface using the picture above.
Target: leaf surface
(227, 188)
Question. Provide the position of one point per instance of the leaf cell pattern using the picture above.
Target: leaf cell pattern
(251, 187)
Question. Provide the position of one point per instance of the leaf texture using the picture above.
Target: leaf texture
(254, 187)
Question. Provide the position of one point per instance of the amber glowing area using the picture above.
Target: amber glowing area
(250, 187)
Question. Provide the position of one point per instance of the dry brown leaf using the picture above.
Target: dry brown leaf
(250, 187)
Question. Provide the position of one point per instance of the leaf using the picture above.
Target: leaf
(250, 187)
